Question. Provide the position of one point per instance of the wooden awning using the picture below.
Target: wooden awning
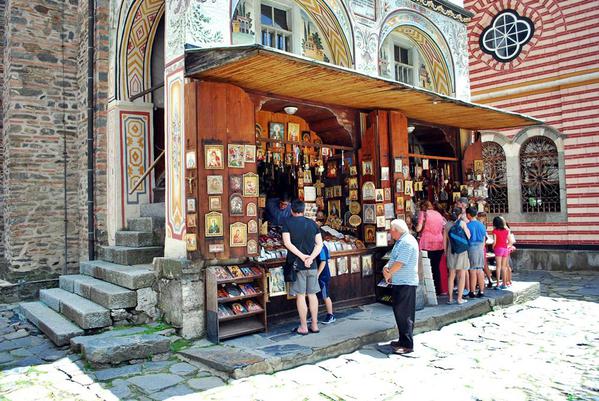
(261, 69)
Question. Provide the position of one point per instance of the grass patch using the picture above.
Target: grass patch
(151, 329)
(180, 344)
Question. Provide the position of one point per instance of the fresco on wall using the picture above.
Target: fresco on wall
(367, 54)
(312, 45)
(242, 23)
(206, 23)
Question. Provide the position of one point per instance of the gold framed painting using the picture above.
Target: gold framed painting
(368, 191)
(353, 194)
(191, 221)
(380, 195)
(236, 156)
(334, 208)
(191, 205)
(235, 205)
(213, 225)
(369, 215)
(353, 183)
(369, 234)
(214, 157)
(380, 209)
(252, 227)
(191, 242)
(190, 159)
(214, 203)
(354, 264)
(293, 132)
(235, 183)
(387, 194)
(252, 247)
(250, 153)
(251, 210)
(238, 235)
(250, 185)
(367, 167)
(276, 131)
(367, 268)
(276, 282)
(214, 184)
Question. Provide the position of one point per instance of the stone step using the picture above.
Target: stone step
(85, 313)
(58, 329)
(108, 295)
(116, 348)
(125, 255)
(136, 239)
(147, 224)
(131, 277)
(153, 210)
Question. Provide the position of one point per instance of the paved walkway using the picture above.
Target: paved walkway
(544, 349)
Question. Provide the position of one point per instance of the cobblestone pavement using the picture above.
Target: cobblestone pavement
(581, 285)
(546, 349)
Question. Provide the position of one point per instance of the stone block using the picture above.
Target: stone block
(108, 295)
(170, 268)
(155, 382)
(116, 349)
(147, 299)
(147, 224)
(132, 255)
(131, 277)
(153, 210)
(86, 314)
(135, 239)
(55, 326)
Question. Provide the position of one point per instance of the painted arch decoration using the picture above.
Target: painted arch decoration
(331, 20)
(136, 29)
(431, 44)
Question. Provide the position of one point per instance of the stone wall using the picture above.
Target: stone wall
(555, 259)
(2, 25)
(40, 122)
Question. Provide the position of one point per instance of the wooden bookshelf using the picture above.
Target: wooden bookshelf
(224, 327)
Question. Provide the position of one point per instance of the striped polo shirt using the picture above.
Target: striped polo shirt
(405, 251)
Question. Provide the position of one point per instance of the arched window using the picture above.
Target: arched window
(539, 168)
(496, 177)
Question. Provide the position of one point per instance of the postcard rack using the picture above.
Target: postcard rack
(235, 301)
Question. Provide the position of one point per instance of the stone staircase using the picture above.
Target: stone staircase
(114, 290)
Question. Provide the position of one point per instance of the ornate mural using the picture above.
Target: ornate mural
(136, 149)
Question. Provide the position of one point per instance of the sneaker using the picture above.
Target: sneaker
(465, 293)
(480, 295)
(471, 295)
(329, 319)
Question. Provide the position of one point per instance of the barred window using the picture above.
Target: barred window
(496, 177)
(539, 168)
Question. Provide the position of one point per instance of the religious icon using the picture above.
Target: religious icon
(380, 221)
(260, 155)
(381, 238)
(367, 167)
(353, 170)
(354, 264)
(190, 159)
(191, 221)
(369, 214)
(326, 152)
(276, 282)
(408, 189)
(353, 194)
(333, 267)
(238, 234)
(276, 131)
(213, 224)
(236, 155)
(214, 203)
(300, 182)
(368, 191)
(250, 185)
(380, 209)
(338, 191)
(235, 183)
(425, 165)
(191, 242)
(250, 153)
(252, 227)
(309, 194)
(216, 248)
(355, 220)
(331, 169)
(479, 166)
(252, 247)
(456, 196)
(306, 136)
(387, 194)
(300, 193)
(367, 267)
(369, 234)
(191, 205)
(235, 205)
(353, 183)
(379, 195)
(308, 176)
(342, 267)
(335, 208)
(405, 170)
(262, 201)
(213, 157)
(397, 165)
(389, 213)
(399, 186)
(399, 204)
(384, 173)
(293, 130)
(354, 207)
(214, 184)
(251, 210)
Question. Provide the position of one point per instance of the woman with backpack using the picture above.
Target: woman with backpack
(455, 240)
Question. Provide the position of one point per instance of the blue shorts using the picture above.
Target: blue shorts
(475, 268)
(324, 289)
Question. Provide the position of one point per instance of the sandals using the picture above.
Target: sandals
(450, 302)
(313, 331)
(296, 331)
(463, 302)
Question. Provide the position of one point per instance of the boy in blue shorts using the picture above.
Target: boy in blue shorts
(324, 276)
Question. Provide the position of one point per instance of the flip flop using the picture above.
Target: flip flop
(296, 330)
(313, 331)
(450, 302)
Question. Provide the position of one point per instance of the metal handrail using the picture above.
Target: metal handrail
(143, 177)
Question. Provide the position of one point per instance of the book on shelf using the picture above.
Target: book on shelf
(257, 271)
(224, 311)
(252, 306)
(383, 283)
(222, 273)
(248, 289)
(236, 272)
(247, 271)
(233, 290)
(238, 308)
(222, 292)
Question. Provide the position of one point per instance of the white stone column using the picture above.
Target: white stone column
(130, 153)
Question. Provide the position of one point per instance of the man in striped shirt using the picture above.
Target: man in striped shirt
(402, 272)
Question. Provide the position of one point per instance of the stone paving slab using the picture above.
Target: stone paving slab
(279, 349)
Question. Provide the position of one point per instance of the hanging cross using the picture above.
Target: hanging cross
(189, 181)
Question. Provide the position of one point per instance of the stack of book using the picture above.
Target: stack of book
(235, 290)
(238, 308)
(232, 272)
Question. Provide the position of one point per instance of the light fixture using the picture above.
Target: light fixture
(290, 109)
(411, 129)
(435, 102)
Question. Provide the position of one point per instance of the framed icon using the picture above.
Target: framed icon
(342, 267)
(369, 234)
(250, 185)
(367, 167)
(334, 208)
(380, 209)
(380, 221)
(236, 156)
(251, 210)
(190, 159)
(276, 131)
(214, 184)
(368, 191)
(353, 183)
(399, 186)
(252, 247)
(213, 225)
(379, 195)
(276, 282)
(333, 267)
(367, 268)
(235, 183)
(354, 264)
(250, 153)
(387, 194)
(238, 235)
(353, 170)
(353, 194)
(191, 205)
(381, 238)
(369, 214)
(293, 132)
(191, 220)
(191, 242)
(384, 173)
(235, 205)
(397, 165)
(214, 203)
(213, 157)
(252, 227)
